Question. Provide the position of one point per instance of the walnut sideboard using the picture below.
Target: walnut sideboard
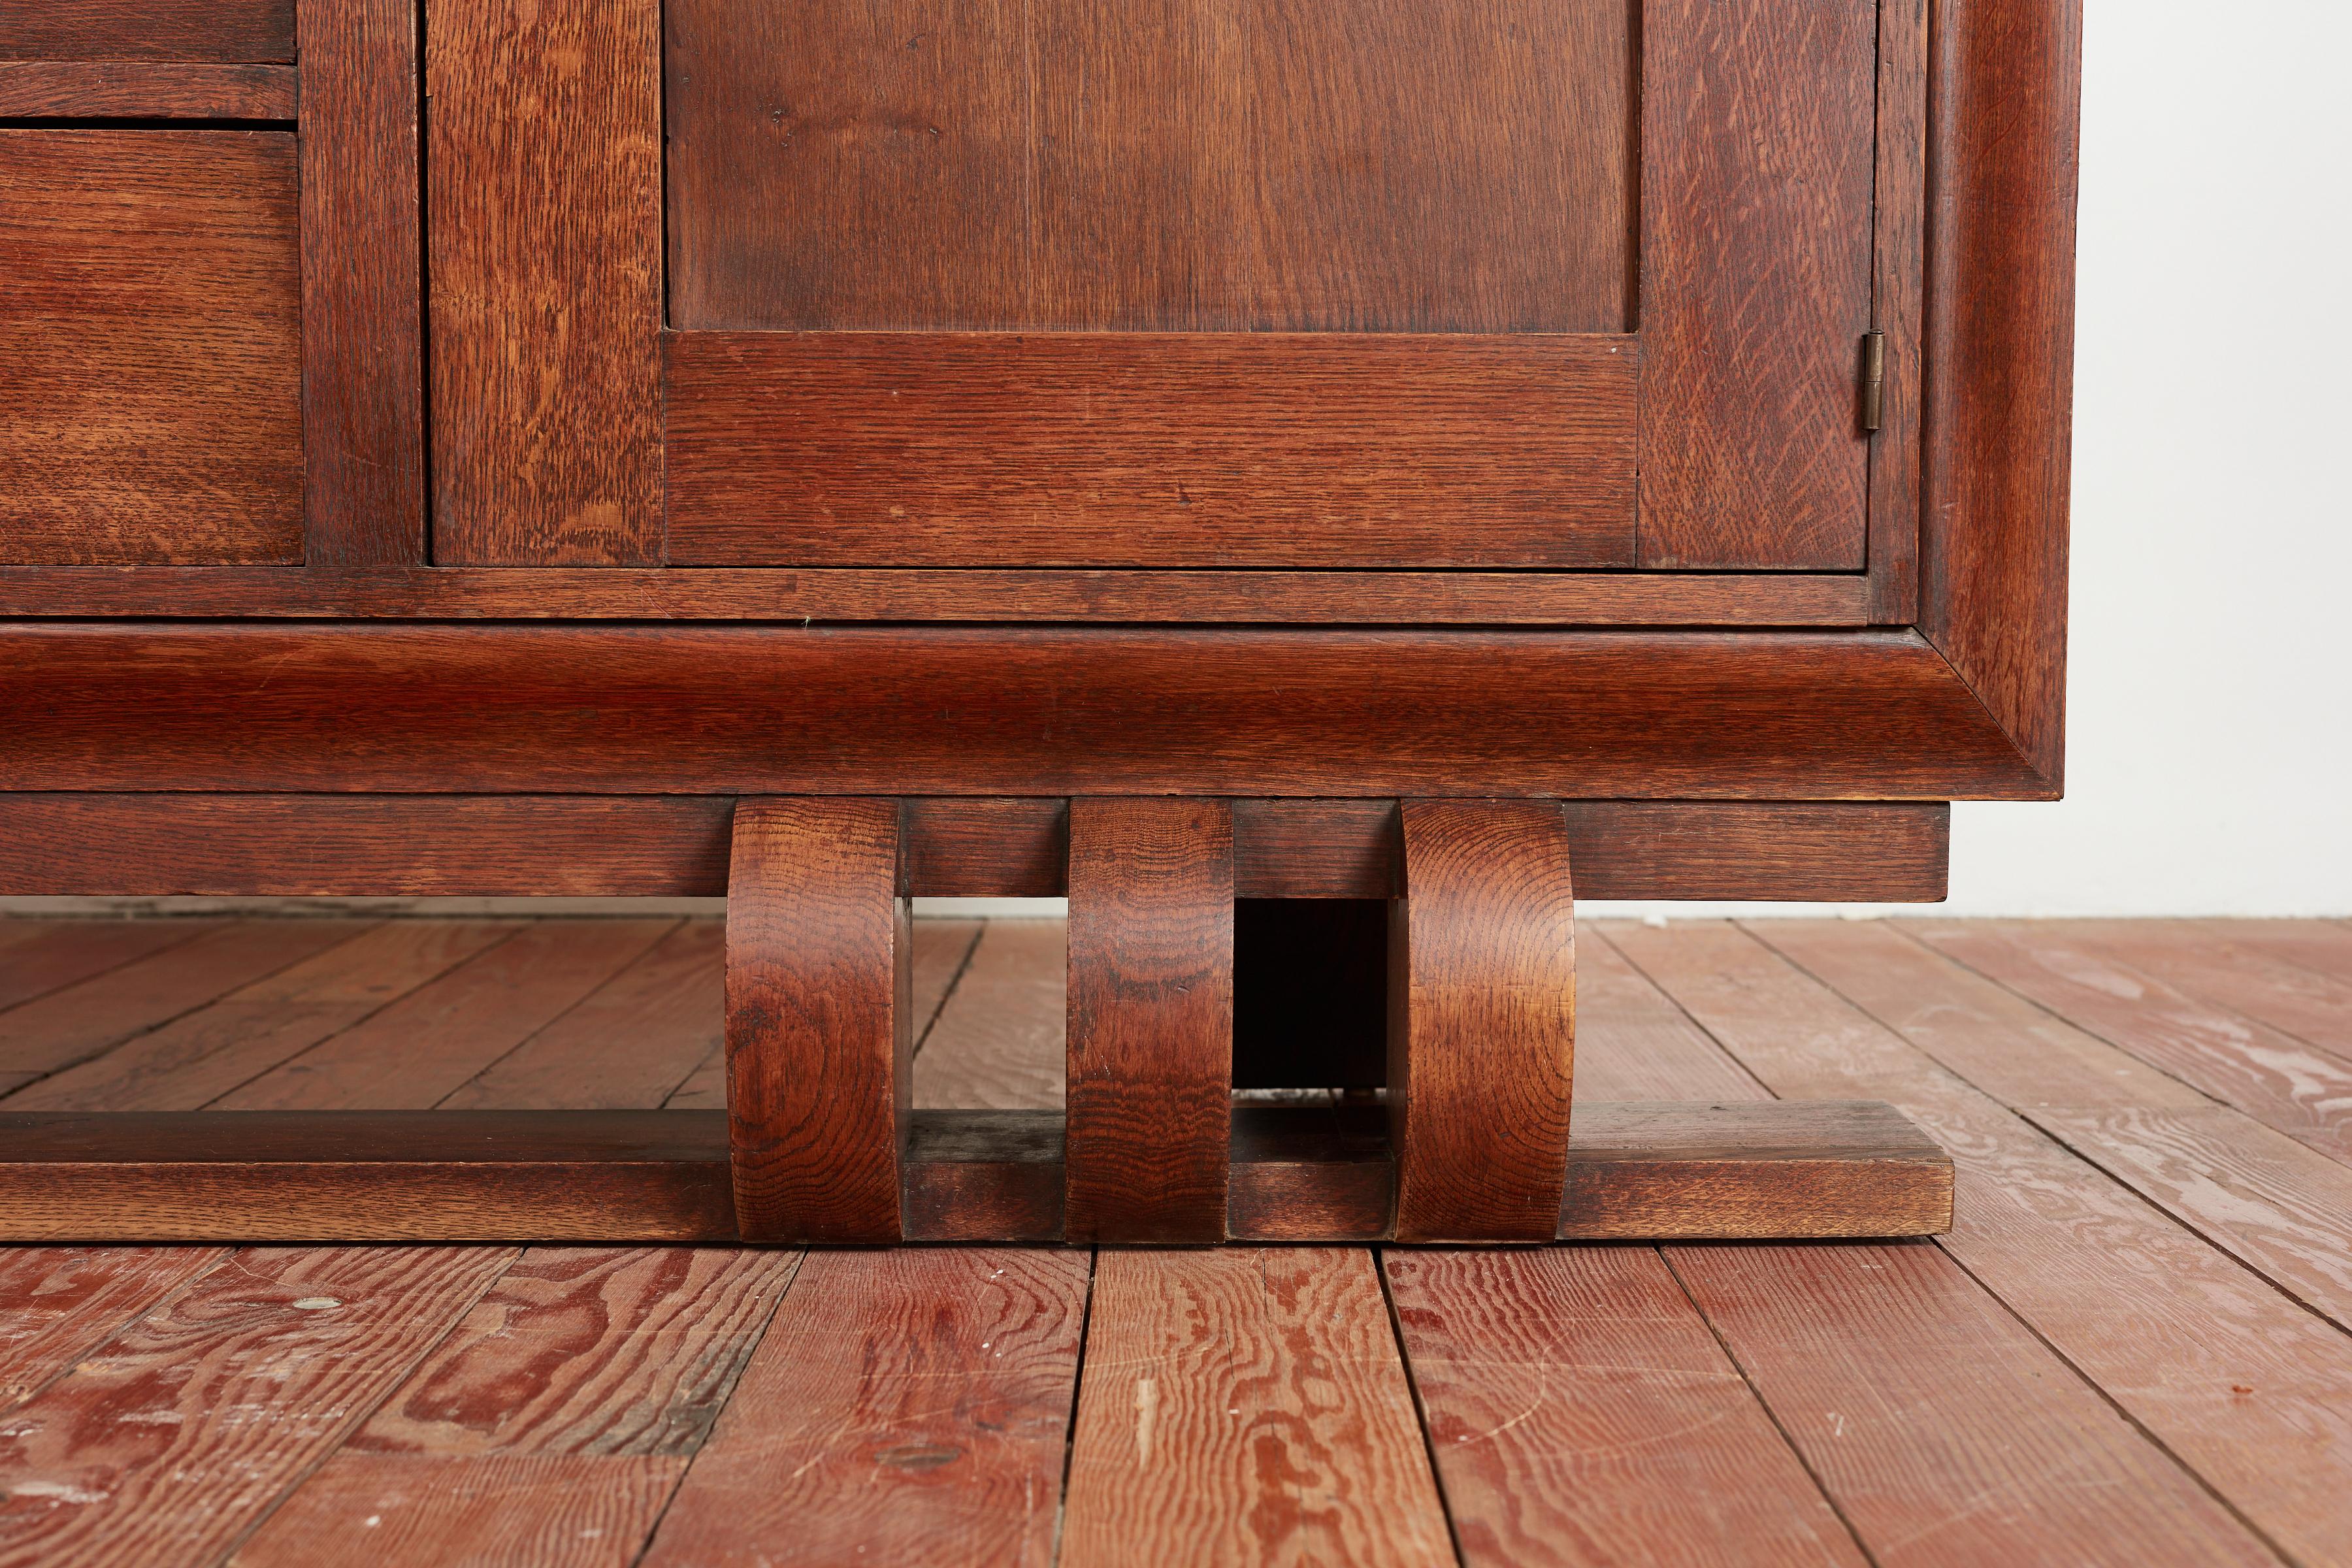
(1299, 477)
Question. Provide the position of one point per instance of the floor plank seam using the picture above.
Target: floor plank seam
(111, 968)
(751, 1349)
(955, 982)
(565, 1012)
(1788, 1438)
(360, 1415)
(1726, 1052)
(1077, 1389)
(1420, 1405)
(120, 1327)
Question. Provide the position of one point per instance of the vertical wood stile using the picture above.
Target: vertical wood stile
(362, 286)
(818, 1043)
(1482, 1020)
(1151, 1019)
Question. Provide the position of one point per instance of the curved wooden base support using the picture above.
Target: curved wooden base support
(1461, 1134)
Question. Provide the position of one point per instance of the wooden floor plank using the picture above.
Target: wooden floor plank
(203, 1055)
(1631, 1043)
(2275, 1204)
(515, 1510)
(1956, 1437)
(999, 1043)
(553, 1421)
(2202, 959)
(2305, 1092)
(942, 948)
(80, 1021)
(2238, 1382)
(58, 1303)
(49, 956)
(415, 1052)
(167, 1443)
(906, 1406)
(2324, 947)
(629, 1044)
(1581, 1412)
(1246, 1406)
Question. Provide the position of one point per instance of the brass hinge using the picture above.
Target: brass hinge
(1874, 377)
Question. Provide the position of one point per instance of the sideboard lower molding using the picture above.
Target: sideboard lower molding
(150, 845)
(1798, 715)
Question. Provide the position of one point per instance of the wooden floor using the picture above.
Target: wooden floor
(2132, 1348)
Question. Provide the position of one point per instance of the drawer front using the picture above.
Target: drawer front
(150, 309)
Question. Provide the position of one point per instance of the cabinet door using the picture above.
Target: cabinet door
(1492, 284)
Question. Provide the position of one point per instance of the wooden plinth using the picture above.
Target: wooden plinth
(1648, 1172)
(1456, 1125)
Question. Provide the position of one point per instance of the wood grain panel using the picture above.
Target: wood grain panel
(1246, 1405)
(1151, 1019)
(363, 281)
(819, 1077)
(1174, 165)
(2005, 107)
(1482, 1020)
(545, 241)
(366, 1175)
(1956, 1404)
(909, 1406)
(147, 30)
(1580, 1411)
(676, 847)
(1267, 450)
(157, 1435)
(151, 411)
(948, 595)
(423, 1048)
(144, 89)
(985, 1175)
(1758, 123)
(1728, 715)
(1310, 1173)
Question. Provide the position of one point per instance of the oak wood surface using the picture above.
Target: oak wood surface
(544, 232)
(1246, 1405)
(1579, 1410)
(676, 845)
(1310, 1173)
(1482, 1020)
(2166, 1326)
(2004, 132)
(1151, 1019)
(362, 279)
(1724, 715)
(632, 1042)
(153, 410)
(951, 595)
(819, 1042)
(210, 1052)
(2021, 1459)
(1899, 285)
(157, 1426)
(904, 1406)
(1758, 125)
(1170, 165)
(985, 1175)
(1202, 450)
(423, 1048)
(80, 1021)
(144, 89)
(232, 30)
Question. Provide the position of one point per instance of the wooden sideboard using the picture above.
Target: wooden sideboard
(1318, 485)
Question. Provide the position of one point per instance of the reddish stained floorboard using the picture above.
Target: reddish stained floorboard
(2241, 1385)
(37, 957)
(2206, 962)
(1001, 1047)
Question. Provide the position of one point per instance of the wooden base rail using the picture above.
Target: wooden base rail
(1456, 1128)
(1773, 1170)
